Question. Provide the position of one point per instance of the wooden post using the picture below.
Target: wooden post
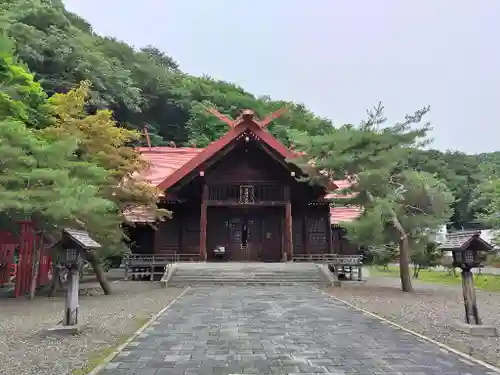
(203, 224)
(305, 230)
(127, 265)
(329, 233)
(469, 293)
(71, 302)
(288, 225)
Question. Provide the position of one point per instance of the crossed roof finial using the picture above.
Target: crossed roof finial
(246, 115)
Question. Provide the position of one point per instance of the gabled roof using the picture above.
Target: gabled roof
(218, 145)
(168, 165)
(464, 239)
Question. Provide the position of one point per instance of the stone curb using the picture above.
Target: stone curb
(326, 274)
(168, 275)
(458, 353)
(120, 348)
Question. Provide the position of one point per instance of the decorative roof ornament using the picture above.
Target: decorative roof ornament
(247, 115)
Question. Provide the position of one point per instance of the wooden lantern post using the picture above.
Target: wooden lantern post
(74, 244)
(467, 254)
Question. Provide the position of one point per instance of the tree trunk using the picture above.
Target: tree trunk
(35, 264)
(99, 272)
(55, 279)
(404, 256)
(404, 264)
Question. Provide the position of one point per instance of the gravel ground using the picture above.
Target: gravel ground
(430, 310)
(25, 350)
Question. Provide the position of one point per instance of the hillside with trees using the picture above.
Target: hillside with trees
(147, 88)
(61, 82)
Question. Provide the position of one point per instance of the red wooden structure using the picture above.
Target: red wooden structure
(21, 272)
(241, 193)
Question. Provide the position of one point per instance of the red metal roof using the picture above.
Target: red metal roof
(344, 214)
(164, 161)
(341, 185)
(168, 165)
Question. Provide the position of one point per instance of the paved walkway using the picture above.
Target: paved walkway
(277, 330)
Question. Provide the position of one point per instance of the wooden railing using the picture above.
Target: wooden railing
(246, 194)
(335, 259)
(153, 267)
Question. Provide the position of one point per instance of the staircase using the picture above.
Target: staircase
(232, 273)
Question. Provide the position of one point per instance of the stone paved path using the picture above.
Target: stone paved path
(277, 330)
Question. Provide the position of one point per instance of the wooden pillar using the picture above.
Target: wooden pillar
(288, 225)
(329, 233)
(203, 224)
(470, 304)
(71, 301)
(306, 234)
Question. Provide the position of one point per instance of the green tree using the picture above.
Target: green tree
(20, 96)
(108, 146)
(141, 88)
(42, 178)
(424, 254)
(383, 255)
(400, 204)
(146, 88)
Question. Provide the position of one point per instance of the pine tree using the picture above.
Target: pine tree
(401, 205)
(42, 178)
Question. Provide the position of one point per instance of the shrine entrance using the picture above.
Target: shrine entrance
(247, 234)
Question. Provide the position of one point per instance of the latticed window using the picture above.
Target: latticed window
(247, 194)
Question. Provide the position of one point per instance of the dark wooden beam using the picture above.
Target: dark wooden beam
(288, 224)
(232, 204)
(305, 235)
(329, 233)
(196, 173)
(203, 223)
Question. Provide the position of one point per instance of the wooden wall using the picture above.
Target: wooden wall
(311, 230)
(246, 165)
(180, 234)
(340, 243)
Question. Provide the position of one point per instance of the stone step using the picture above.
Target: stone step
(262, 281)
(312, 272)
(247, 274)
(241, 282)
(176, 272)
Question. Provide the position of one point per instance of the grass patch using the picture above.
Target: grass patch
(99, 356)
(489, 283)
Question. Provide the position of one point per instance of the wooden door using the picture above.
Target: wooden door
(217, 233)
(271, 238)
(254, 238)
(234, 244)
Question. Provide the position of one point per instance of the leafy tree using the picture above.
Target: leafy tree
(383, 255)
(489, 193)
(42, 178)
(20, 96)
(400, 204)
(105, 144)
(424, 255)
(141, 88)
(146, 88)
(108, 146)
